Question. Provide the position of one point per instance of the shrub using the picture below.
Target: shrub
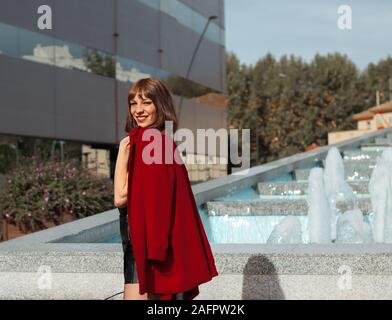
(39, 192)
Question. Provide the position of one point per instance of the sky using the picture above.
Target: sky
(307, 27)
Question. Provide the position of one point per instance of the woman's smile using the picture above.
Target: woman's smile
(141, 118)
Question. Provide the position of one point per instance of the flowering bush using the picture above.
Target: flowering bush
(40, 192)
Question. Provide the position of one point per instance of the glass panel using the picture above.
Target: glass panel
(69, 55)
(25, 44)
(187, 17)
(36, 47)
(213, 32)
(164, 6)
(128, 70)
(9, 40)
(183, 13)
(198, 22)
(151, 3)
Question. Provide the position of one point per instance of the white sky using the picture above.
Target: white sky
(305, 27)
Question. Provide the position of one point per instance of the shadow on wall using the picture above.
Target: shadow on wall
(260, 280)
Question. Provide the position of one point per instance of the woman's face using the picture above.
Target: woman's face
(143, 111)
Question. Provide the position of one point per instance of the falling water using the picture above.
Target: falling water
(351, 228)
(319, 213)
(339, 193)
(286, 231)
(380, 189)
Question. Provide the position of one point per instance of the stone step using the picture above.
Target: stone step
(375, 146)
(359, 155)
(300, 188)
(272, 207)
(354, 170)
(381, 140)
(348, 162)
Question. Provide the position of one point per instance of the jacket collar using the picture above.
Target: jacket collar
(136, 131)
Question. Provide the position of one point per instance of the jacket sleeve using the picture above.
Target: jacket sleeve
(158, 202)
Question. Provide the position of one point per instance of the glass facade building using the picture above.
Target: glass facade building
(71, 82)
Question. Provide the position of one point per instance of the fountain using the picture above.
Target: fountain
(351, 228)
(319, 223)
(339, 193)
(287, 230)
(380, 189)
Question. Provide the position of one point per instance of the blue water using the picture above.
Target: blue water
(236, 229)
(244, 194)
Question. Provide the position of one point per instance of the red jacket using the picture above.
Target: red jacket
(171, 249)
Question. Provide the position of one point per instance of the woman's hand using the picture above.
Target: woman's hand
(124, 144)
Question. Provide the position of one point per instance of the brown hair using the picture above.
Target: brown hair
(160, 95)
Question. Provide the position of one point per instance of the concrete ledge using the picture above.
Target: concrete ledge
(230, 258)
(300, 187)
(273, 207)
(60, 286)
(246, 271)
(249, 287)
(80, 230)
(297, 287)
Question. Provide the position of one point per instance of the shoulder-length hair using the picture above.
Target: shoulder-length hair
(160, 95)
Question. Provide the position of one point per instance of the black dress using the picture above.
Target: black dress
(130, 272)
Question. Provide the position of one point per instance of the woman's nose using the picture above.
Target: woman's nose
(139, 108)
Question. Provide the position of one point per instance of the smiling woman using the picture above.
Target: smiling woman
(166, 250)
(143, 110)
(150, 104)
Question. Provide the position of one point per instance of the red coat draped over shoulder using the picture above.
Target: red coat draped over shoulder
(171, 249)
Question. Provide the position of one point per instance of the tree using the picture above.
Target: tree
(291, 105)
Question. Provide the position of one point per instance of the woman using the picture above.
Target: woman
(166, 251)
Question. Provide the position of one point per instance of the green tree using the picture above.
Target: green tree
(376, 77)
(292, 104)
(241, 110)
